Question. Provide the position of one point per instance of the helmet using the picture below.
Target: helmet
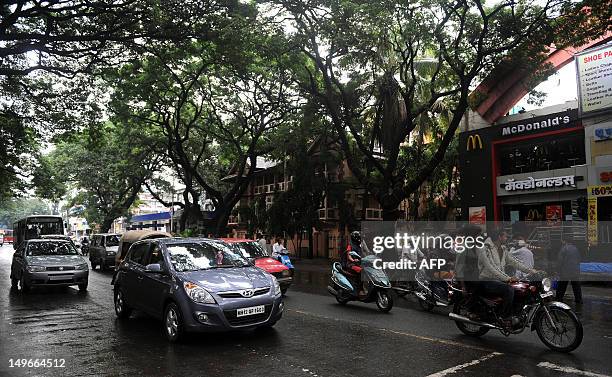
(356, 237)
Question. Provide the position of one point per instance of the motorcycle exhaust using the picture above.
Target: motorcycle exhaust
(460, 318)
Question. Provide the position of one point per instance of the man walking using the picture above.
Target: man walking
(568, 264)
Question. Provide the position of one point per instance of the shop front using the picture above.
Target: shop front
(528, 167)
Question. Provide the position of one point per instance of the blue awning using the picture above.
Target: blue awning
(151, 217)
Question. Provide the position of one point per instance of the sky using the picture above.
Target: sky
(559, 87)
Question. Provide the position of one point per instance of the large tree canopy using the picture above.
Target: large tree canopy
(378, 68)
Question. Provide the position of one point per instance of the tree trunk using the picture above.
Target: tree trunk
(310, 243)
(106, 224)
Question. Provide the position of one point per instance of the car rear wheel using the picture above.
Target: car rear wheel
(173, 323)
(93, 265)
(121, 308)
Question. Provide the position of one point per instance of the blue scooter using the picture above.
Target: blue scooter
(283, 257)
(376, 283)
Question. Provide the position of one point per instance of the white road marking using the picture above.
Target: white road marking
(570, 370)
(457, 368)
(420, 337)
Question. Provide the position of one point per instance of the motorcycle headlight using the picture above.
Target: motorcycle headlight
(82, 266)
(198, 294)
(546, 284)
(36, 268)
(276, 290)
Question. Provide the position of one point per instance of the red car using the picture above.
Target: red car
(252, 250)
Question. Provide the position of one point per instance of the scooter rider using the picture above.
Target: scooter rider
(351, 263)
(492, 259)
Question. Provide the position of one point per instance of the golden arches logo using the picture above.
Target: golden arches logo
(473, 142)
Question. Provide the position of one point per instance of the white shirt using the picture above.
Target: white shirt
(276, 249)
(263, 243)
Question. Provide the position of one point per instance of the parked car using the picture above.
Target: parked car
(103, 250)
(253, 251)
(43, 262)
(195, 285)
(131, 236)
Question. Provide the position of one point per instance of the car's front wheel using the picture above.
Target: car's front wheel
(83, 287)
(25, 287)
(121, 308)
(14, 283)
(173, 322)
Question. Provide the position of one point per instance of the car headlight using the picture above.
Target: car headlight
(286, 273)
(82, 266)
(275, 286)
(36, 268)
(198, 294)
(546, 284)
(111, 253)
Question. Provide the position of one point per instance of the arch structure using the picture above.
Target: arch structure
(505, 86)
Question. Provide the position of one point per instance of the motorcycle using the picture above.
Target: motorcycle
(556, 324)
(432, 293)
(377, 287)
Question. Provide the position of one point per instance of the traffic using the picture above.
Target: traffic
(196, 284)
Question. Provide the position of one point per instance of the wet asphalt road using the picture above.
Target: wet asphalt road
(316, 337)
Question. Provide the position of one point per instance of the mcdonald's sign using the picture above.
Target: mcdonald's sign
(473, 142)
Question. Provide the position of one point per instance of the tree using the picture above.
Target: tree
(107, 170)
(364, 63)
(17, 208)
(18, 145)
(215, 107)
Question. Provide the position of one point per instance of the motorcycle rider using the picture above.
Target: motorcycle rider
(492, 260)
(351, 263)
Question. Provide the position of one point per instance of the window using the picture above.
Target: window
(138, 253)
(542, 154)
(156, 256)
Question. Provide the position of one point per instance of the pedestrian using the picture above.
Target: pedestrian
(523, 255)
(262, 241)
(568, 265)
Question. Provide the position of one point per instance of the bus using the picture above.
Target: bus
(32, 227)
(8, 235)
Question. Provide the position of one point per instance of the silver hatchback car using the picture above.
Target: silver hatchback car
(46, 262)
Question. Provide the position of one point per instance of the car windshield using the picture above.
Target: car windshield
(203, 255)
(250, 249)
(112, 240)
(50, 248)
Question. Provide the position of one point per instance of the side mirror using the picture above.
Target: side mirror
(153, 267)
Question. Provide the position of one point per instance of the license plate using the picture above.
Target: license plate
(547, 294)
(250, 311)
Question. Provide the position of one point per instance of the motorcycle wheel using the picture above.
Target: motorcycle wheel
(466, 328)
(567, 322)
(341, 300)
(384, 301)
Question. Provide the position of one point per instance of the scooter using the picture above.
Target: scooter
(283, 257)
(376, 284)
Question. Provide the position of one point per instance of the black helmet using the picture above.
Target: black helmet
(356, 237)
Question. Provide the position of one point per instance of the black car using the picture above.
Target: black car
(195, 284)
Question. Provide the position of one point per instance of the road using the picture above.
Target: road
(316, 337)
